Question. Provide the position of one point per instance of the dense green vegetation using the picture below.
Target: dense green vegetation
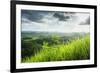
(55, 48)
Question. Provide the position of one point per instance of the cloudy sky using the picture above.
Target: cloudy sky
(53, 21)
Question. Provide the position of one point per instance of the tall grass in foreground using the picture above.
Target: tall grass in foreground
(78, 49)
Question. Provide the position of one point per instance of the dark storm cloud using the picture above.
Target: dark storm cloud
(64, 16)
(87, 22)
(31, 15)
(37, 16)
(61, 16)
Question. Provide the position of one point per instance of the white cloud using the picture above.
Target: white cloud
(52, 24)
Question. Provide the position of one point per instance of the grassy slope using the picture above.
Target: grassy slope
(78, 49)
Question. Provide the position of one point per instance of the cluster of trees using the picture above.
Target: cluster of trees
(31, 46)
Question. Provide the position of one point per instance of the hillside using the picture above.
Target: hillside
(77, 49)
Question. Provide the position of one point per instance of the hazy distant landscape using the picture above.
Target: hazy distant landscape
(54, 36)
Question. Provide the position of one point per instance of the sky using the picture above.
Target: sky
(54, 21)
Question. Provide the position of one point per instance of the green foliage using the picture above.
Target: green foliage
(30, 45)
(77, 49)
(45, 45)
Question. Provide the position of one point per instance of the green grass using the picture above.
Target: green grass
(78, 49)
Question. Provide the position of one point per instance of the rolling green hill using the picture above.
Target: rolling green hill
(77, 49)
